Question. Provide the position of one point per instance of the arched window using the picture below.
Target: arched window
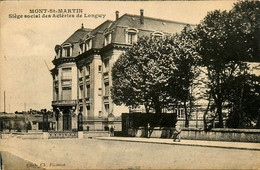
(131, 35)
(157, 34)
(66, 50)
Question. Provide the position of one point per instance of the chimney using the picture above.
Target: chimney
(117, 15)
(141, 16)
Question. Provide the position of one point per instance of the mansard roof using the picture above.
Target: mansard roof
(100, 28)
(167, 26)
(77, 35)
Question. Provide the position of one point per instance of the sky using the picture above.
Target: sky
(27, 44)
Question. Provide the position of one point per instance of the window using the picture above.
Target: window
(99, 91)
(180, 113)
(88, 110)
(66, 73)
(100, 114)
(106, 89)
(107, 39)
(157, 35)
(66, 93)
(88, 91)
(99, 68)
(107, 108)
(67, 51)
(88, 44)
(80, 72)
(131, 35)
(87, 70)
(81, 92)
(82, 48)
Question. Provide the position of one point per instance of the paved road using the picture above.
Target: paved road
(93, 153)
(11, 161)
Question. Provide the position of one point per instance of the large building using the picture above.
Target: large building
(83, 63)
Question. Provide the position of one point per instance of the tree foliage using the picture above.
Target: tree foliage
(140, 77)
(227, 40)
(156, 72)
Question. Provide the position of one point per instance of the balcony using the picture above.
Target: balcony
(64, 103)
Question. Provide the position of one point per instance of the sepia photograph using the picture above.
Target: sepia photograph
(129, 84)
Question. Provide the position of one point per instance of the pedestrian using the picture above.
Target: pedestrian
(177, 133)
(111, 131)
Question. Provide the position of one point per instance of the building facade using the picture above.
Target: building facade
(83, 63)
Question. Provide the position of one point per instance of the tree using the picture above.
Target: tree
(157, 72)
(140, 77)
(244, 102)
(185, 60)
(227, 40)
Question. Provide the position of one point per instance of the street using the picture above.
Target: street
(104, 154)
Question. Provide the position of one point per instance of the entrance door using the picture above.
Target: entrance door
(66, 120)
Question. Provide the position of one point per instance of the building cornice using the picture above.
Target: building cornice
(63, 60)
(115, 45)
(86, 57)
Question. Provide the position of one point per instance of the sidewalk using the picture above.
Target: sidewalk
(200, 143)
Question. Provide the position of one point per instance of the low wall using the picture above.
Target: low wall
(217, 134)
(22, 135)
(235, 135)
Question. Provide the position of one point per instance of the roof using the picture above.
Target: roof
(101, 27)
(150, 23)
(77, 35)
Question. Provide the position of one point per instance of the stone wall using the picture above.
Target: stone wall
(217, 134)
(235, 135)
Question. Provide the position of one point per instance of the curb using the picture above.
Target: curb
(184, 144)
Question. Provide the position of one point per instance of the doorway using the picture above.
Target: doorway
(66, 120)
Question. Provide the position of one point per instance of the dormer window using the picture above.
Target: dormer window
(157, 35)
(131, 35)
(67, 50)
(82, 47)
(88, 44)
(108, 38)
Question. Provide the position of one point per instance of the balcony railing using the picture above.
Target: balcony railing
(64, 103)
